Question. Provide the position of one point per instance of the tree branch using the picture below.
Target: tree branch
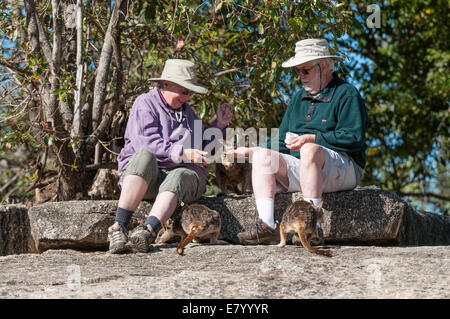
(99, 127)
(14, 67)
(57, 30)
(43, 40)
(438, 196)
(32, 26)
(12, 181)
(93, 167)
(76, 123)
(103, 66)
(441, 124)
(113, 106)
(56, 55)
(226, 72)
(366, 53)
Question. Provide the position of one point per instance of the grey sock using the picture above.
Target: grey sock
(123, 216)
(154, 223)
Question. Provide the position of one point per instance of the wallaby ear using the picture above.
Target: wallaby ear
(318, 206)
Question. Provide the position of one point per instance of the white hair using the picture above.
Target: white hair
(330, 63)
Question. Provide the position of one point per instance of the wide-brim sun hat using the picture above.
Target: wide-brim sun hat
(181, 72)
(310, 50)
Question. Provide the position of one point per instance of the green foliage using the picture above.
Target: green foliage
(406, 84)
(252, 38)
(238, 47)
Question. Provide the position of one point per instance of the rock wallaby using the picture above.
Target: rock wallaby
(301, 217)
(233, 177)
(195, 223)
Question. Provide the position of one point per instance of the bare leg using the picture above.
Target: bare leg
(268, 167)
(164, 206)
(311, 175)
(133, 190)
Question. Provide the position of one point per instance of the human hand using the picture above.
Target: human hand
(290, 137)
(297, 143)
(240, 152)
(224, 115)
(192, 155)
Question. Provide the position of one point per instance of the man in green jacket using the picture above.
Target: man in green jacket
(321, 145)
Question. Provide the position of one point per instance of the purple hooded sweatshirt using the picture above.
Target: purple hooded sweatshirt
(154, 126)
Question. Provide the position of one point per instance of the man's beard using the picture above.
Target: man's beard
(308, 87)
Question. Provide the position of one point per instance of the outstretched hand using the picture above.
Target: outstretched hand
(240, 152)
(195, 156)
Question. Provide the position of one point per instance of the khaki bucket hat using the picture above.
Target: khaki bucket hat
(181, 72)
(309, 50)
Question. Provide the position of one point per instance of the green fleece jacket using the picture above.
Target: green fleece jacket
(337, 116)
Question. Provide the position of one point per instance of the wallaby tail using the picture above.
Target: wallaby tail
(193, 231)
(306, 244)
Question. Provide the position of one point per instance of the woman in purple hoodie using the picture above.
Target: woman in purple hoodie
(163, 158)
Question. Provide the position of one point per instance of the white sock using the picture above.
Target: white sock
(316, 201)
(265, 207)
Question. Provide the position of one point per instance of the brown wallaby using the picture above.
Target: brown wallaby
(196, 222)
(233, 177)
(302, 217)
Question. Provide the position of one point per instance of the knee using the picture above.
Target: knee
(265, 162)
(183, 176)
(143, 163)
(312, 153)
(185, 183)
(261, 158)
(146, 158)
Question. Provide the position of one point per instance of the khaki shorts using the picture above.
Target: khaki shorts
(186, 183)
(338, 173)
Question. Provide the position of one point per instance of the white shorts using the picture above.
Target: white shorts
(338, 173)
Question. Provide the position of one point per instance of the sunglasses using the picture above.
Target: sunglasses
(305, 71)
(180, 89)
(186, 92)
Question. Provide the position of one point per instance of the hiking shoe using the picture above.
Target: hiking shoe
(141, 238)
(260, 233)
(117, 237)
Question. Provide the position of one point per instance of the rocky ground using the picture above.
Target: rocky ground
(230, 271)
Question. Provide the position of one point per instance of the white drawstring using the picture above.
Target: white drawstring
(179, 115)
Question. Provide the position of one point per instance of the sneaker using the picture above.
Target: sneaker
(260, 233)
(141, 238)
(117, 237)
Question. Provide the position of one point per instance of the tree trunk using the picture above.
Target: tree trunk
(67, 184)
(99, 128)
